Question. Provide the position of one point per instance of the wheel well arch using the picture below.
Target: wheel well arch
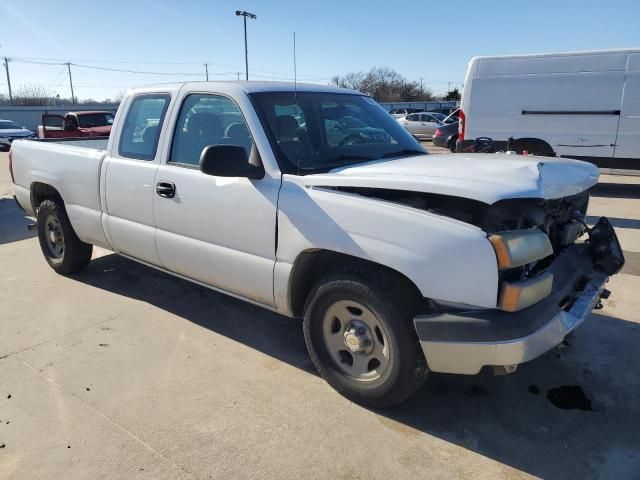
(311, 265)
(534, 146)
(40, 192)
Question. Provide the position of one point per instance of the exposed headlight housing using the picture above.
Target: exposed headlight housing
(515, 296)
(519, 247)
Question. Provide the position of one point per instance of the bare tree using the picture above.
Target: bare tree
(119, 97)
(30, 94)
(384, 85)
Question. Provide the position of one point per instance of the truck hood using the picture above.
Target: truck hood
(487, 178)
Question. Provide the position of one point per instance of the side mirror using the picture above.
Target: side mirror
(228, 161)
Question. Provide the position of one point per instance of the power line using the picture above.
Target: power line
(62, 61)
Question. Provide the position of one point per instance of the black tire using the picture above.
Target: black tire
(406, 369)
(452, 144)
(65, 253)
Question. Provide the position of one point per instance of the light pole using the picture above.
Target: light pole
(246, 52)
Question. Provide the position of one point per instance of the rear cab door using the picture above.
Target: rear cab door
(128, 185)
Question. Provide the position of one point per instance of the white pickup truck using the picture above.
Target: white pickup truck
(314, 202)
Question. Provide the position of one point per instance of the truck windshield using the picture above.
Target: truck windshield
(316, 132)
(88, 120)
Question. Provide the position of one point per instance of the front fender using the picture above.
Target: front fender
(448, 260)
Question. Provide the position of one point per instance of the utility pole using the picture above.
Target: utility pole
(246, 51)
(238, 76)
(73, 97)
(206, 70)
(6, 68)
(449, 86)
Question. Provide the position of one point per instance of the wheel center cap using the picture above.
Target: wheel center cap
(358, 338)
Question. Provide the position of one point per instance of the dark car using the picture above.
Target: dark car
(446, 136)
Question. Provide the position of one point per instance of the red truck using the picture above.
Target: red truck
(76, 124)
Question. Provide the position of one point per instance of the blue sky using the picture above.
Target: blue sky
(432, 40)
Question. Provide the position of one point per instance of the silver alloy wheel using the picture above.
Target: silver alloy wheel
(356, 340)
(55, 237)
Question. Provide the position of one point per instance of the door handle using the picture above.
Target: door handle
(166, 189)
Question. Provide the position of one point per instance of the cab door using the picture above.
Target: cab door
(217, 230)
(52, 126)
(130, 175)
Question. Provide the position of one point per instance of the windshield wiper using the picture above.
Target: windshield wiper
(407, 152)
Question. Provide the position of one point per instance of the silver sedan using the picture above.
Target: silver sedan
(421, 125)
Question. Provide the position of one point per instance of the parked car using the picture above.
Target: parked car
(76, 125)
(583, 105)
(452, 117)
(351, 130)
(440, 117)
(446, 136)
(421, 125)
(401, 112)
(10, 131)
(399, 263)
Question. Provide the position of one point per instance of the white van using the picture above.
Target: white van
(583, 105)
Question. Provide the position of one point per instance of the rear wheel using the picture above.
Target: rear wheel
(360, 336)
(61, 247)
(452, 144)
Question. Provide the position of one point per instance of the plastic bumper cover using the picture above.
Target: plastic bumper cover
(465, 341)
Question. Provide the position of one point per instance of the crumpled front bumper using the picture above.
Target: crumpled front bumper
(463, 342)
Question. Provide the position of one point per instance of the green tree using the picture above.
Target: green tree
(453, 95)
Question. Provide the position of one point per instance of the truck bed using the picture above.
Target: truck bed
(73, 168)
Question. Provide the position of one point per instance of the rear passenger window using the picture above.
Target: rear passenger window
(207, 120)
(139, 138)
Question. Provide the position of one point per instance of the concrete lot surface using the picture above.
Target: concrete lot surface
(125, 372)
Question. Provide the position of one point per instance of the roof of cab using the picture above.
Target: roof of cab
(253, 87)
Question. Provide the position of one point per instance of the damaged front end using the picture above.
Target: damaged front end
(552, 272)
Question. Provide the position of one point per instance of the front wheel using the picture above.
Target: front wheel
(61, 247)
(361, 339)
